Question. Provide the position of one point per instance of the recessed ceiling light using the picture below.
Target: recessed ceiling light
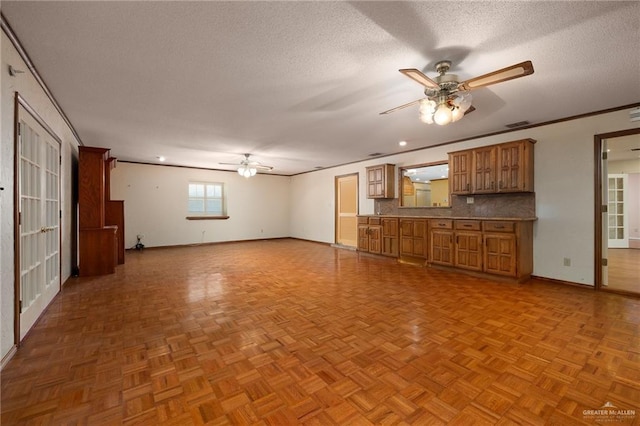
(161, 158)
(402, 143)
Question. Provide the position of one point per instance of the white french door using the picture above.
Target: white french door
(617, 220)
(39, 219)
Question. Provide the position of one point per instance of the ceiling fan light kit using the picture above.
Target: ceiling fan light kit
(247, 168)
(447, 99)
(247, 171)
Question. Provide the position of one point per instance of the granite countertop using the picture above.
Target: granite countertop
(514, 219)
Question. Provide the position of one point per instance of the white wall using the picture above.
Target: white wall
(564, 186)
(32, 93)
(155, 205)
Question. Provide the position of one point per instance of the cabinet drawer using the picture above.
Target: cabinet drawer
(499, 226)
(363, 220)
(374, 221)
(469, 225)
(441, 223)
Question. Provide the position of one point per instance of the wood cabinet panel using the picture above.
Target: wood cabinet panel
(381, 181)
(468, 250)
(413, 238)
(498, 247)
(441, 247)
(460, 172)
(506, 167)
(500, 254)
(515, 167)
(390, 236)
(484, 170)
(100, 219)
(91, 184)
(369, 234)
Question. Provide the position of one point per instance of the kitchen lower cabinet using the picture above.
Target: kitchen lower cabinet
(390, 236)
(497, 247)
(413, 239)
(441, 241)
(468, 245)
(369, 234)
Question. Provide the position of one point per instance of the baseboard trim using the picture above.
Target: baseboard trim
(563, 282)
(210, 243)
(8, 356)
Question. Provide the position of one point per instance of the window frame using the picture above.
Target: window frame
(206, 215)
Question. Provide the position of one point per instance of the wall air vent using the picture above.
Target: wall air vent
(634, 114)
(518, 124)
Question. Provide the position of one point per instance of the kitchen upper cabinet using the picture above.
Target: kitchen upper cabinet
(515, 166)
(381, 181)
(484, 170)
(506, 167)
(460, 172)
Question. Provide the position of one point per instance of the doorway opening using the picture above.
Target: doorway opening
(617, 211)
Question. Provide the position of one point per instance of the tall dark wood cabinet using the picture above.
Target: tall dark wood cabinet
(101, 220)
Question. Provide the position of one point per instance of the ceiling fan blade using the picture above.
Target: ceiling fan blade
(509, 73)
(418, 76)
(230, 164)
(400, 107)
(471, 109)
(261, 167)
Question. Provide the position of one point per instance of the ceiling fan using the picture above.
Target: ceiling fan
(248, 168)
(448, 99)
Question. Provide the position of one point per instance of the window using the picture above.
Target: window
(207, 199)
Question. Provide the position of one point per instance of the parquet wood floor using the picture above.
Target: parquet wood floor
(624, 269)
(291, 332)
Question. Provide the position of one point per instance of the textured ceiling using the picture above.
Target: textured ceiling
(300, 84)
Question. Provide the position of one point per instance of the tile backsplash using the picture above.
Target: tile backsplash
(517, 205)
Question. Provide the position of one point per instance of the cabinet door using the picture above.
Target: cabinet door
(514, 164)
(419, 238)
(374, 182)
(375, 239)
(390, 236)
(500, 254)
(441, 244)
(363, 237)
(468, 250)
(460, 172)
(406, 237)
(380, 181)
(484, 170)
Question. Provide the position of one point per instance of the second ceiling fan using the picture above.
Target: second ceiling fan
(448, 99)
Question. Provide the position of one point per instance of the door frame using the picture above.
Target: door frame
(597, 248)
(19, 101)
(336, 201)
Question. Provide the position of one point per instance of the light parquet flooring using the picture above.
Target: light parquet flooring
(291, 332)
(624, 269)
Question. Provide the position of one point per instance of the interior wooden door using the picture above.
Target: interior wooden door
(347, 210)
(39, 219)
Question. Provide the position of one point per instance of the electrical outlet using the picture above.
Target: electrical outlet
(470, 200)
(567, 261)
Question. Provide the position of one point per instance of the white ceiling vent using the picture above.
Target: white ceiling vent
(634, 114)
